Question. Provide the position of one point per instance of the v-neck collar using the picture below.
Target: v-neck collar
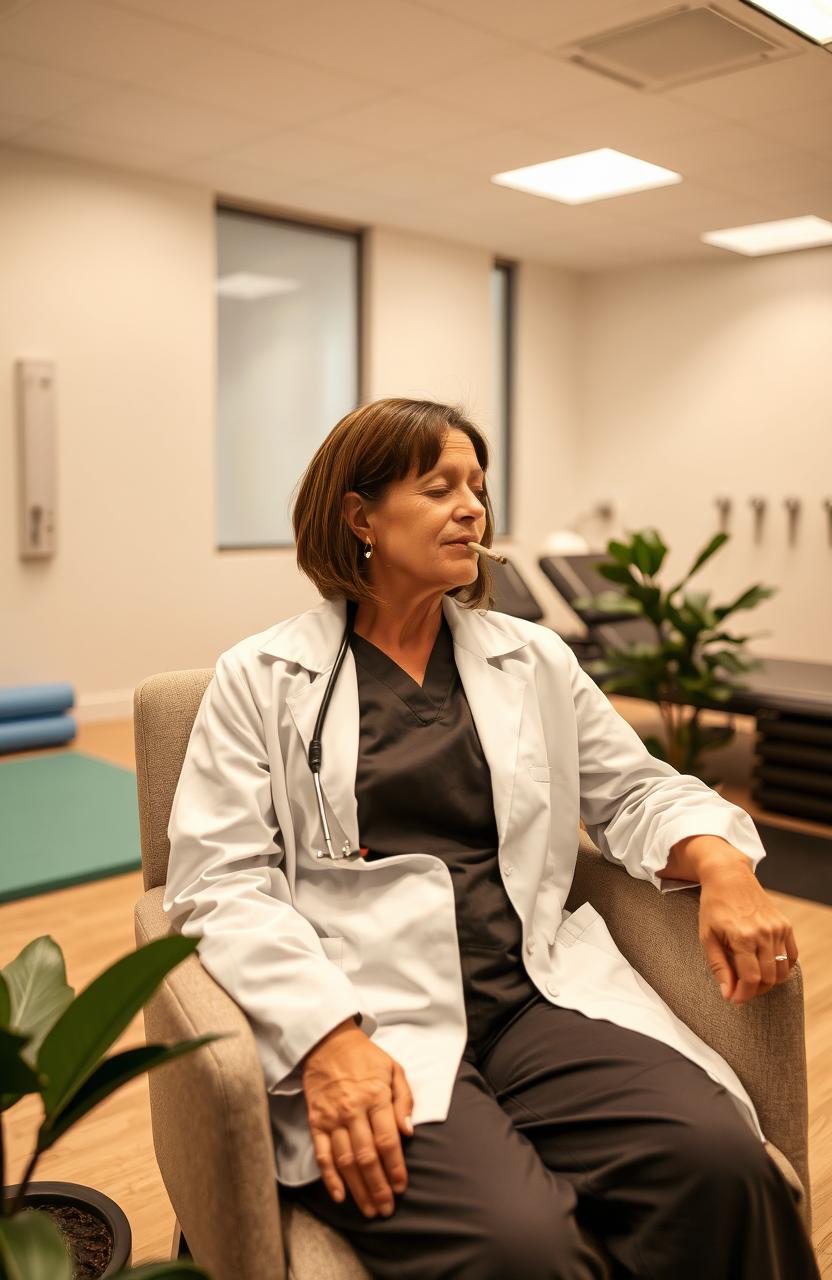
(426, 700)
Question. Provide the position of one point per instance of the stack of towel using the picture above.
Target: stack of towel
(34, 715)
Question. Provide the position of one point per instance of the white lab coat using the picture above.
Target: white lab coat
(302, 943)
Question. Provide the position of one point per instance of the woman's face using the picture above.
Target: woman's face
(417, 526)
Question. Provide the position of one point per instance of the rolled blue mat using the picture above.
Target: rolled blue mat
(19, 701)
(39, 731)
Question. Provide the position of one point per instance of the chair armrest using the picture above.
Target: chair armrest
(763, 1040)
(210, 1117)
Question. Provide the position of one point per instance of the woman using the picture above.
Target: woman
(459, 1071)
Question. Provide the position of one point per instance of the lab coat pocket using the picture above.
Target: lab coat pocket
(585, 924)
(333, 949)
(539, 772)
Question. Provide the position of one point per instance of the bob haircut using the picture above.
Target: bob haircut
(365, 452)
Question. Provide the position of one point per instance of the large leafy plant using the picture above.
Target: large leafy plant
(693, 661)
(51, 1043)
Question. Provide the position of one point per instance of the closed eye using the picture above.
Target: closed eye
(440, 493)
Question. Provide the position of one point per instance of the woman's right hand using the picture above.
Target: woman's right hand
(358, 1099)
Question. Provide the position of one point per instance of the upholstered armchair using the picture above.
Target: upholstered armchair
(209, 1110)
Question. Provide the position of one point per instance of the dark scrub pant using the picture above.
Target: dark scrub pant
(562, 1120)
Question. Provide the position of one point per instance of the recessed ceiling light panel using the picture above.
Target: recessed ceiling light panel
(812, 18)
(773, 237)
(592, 175)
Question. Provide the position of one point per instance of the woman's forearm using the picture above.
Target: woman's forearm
(697, 857)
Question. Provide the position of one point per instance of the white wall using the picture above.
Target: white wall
(698, 381)
(110, 274)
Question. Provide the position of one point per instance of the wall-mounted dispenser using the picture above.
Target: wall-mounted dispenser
(37, 445)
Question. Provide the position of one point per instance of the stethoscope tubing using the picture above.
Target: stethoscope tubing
(315, 749)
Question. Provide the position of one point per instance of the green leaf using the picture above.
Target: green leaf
(657, 549)
(747, 600)
(97, 1017)
(621, 552)
(642, 554)
(171, 1270)
(38, 991)
(615, 573)
(17, 1076)
(715, 543)
(32, 1248)
(110, 1075)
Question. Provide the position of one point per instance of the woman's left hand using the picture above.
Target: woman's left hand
(742, 929)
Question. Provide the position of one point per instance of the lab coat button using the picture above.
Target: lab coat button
(551, 988)
(530, 944)
(508, 868)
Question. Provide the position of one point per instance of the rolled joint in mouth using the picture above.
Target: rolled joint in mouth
(486, 551)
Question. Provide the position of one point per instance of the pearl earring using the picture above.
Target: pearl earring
(369, 550)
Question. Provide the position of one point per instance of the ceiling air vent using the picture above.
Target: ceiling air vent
(681, 46)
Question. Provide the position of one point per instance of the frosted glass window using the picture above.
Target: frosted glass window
(287, 364)
(499, 437)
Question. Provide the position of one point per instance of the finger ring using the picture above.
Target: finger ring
(781, 957)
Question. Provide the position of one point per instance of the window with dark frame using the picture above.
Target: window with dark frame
(502, 341)
(288, 362)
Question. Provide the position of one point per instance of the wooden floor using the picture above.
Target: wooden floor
(112, 1148)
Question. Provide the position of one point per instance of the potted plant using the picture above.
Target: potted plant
(51, 1043)
(693, 660)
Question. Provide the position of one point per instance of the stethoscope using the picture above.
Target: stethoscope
(315, 744)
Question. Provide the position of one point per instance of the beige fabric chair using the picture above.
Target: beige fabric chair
(209, 1110)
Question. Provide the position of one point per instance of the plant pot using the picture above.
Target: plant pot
(93, 1205)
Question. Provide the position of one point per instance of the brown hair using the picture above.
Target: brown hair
(365, 452)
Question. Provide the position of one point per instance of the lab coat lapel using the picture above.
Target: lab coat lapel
(495, 697)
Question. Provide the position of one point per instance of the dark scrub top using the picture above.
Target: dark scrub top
(423, 786)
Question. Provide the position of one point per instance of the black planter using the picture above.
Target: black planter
(40, 1194)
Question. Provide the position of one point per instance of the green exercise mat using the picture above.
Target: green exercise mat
(65, 819)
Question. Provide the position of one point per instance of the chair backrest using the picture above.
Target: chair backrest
(576, 575)
(164, 710)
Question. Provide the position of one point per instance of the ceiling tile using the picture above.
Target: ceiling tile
(629, 122)
(84, 38)
(303, 155)
(37, 92)
(405, 180)
(267, 87)
(388, 42)
(385, 41)
(402, 123)
(522, 88)
(798, 169)
(116, 44)
(109, 151)
(147, 119)
(11, 125)
(808, 128)
(796, 81)
(696, 155)
(542, 23)
(496, 151)
(799, 201)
